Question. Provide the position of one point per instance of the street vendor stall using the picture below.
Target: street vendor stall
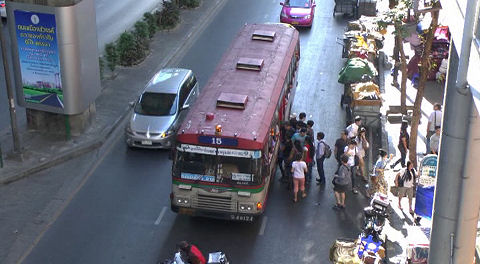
(361, 96)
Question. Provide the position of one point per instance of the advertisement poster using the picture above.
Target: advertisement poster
(39, 58)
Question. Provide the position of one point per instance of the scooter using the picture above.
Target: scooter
(213, 258)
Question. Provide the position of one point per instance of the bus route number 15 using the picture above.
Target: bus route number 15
(216, 141)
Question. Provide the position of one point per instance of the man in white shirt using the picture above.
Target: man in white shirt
(435, 141)
(434, 120)
(353, 128)
(320, 157)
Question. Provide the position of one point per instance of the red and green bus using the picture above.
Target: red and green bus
(226, 149)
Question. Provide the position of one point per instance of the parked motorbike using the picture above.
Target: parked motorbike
(213, 258)
(372, 246)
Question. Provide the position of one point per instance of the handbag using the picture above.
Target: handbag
(401, 179)
(356, 158)
(394, 190)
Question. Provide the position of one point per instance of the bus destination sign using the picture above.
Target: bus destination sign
(233, 142)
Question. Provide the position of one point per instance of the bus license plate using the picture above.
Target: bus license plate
(247, 218)
(146, 142)
(186, 211)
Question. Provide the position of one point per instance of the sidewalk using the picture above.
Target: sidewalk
(400, 228)
(42, 151)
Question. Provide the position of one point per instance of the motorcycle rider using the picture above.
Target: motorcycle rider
(191, 253)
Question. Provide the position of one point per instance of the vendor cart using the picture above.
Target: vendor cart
(368, 110)
(346, 7)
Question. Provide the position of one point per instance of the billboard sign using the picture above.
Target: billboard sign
(38, 54)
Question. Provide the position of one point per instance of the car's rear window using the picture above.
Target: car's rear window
(299, 3)
(156, 104)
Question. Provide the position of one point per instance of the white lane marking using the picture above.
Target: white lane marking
(162, 213)
(262, 227)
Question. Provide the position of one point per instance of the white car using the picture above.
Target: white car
(161, 108)
(3, 9)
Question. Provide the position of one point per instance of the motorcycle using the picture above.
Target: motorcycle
(213, 258)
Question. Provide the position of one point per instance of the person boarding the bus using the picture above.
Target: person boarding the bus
(310, 124)
(299, 169)
(300, 136)
(301, 121)
(309, 158)
(352, 129)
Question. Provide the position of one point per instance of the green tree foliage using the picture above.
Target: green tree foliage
(150, 19)
(129, 50)
(111, 56)
(142, 35)
(189, 3)
(169, 16)
(101, 64)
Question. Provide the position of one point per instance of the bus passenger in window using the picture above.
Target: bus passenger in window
(299, 169)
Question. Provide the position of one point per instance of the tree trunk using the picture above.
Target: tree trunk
(423, 68)
(403, 83)
(396, 58)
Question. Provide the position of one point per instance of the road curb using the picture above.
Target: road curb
(68, 155)
(107, 131)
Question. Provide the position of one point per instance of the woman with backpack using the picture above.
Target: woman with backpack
(341, 182)
(405, 182)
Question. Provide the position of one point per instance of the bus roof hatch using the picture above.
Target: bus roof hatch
(231, 100)
(264, 35)
(250, 64)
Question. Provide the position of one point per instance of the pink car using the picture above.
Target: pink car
(298, 12)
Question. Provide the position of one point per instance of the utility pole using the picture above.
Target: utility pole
(11, 101)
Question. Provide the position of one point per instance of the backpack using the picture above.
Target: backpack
(327, 151)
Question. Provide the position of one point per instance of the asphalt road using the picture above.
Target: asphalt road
(122, 215)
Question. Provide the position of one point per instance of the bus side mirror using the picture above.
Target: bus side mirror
(185, 106)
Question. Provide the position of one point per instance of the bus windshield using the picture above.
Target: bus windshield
(218, 169)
